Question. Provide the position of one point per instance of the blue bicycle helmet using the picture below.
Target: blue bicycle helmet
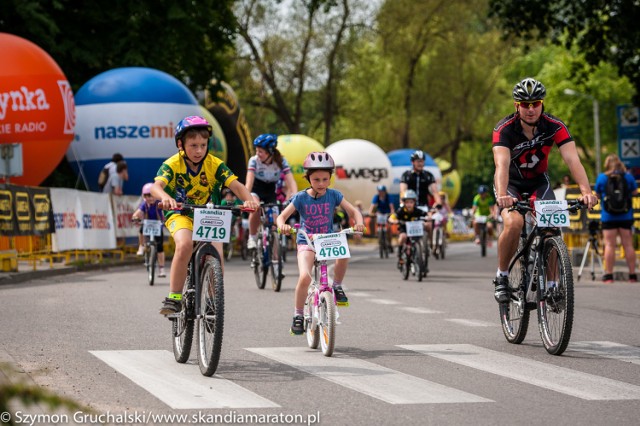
(381, 188)
(268, 141)
(482, 189)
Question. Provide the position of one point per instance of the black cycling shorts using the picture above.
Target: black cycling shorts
(616, 224)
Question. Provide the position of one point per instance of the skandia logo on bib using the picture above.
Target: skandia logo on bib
(132, 131)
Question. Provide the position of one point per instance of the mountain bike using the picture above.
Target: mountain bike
(411, 256)
(320, 308)
(382, 231)
(541, 276)
(439, 237)
(267, 259)
(203, 291)
(151, 229)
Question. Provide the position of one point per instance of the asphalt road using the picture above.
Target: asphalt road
(407, 352)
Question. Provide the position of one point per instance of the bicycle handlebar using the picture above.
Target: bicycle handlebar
(523, 206)
(183, 207)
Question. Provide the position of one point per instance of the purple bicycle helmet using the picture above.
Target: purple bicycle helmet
(146, 188)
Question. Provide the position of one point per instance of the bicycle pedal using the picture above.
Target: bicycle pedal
(343, 304)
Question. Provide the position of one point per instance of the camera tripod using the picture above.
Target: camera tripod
(591, 248)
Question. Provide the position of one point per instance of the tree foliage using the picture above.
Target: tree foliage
(604, 30)
(183, 38)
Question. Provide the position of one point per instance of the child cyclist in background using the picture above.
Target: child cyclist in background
(406, 213)
(149, 209)
(192, 176)
(316, 205)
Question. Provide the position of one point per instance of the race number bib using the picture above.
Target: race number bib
(331, 246)
(481, 219)
(415, 228)
(552, 213)
(212, 225)
(151, 227)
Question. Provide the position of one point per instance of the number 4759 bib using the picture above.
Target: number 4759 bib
(552, 213)
(331, 246)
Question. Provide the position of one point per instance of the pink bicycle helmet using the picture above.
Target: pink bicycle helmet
(146, 188)
(192, 122)
(318, 161)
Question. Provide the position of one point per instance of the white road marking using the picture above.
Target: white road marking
(360, 294)
(608, 350)
(180, 386)
(471, 323)
(384, 302)
(376, 381)
(414, 310)
(559, 379)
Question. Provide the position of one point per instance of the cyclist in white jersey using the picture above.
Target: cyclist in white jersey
(263, 173)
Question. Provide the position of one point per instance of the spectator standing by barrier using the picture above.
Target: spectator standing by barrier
(615, 187)
(116, 180)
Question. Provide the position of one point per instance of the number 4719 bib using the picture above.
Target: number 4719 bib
(331, 246)
(211, 225)
(552, 213)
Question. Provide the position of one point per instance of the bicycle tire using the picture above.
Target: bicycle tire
(514, 316)
(381, 244)
(265, 259)
(244, 252)
(425, 264)
(443, 244)
(182, 326)
(210, 320)
(277, 263)
(483, 241)
(406, 265)
(327, 322)
(153, 261)
(311, 330)
(418, 261)
(256, 256)
(555, 309)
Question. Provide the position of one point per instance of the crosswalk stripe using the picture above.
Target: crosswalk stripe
(559, 379)
(180, 386)
(608, 350)
(376, 381)
(470, 323)
(415, 310)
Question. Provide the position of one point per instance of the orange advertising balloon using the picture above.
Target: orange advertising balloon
(37, 108)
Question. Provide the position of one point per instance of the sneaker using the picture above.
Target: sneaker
(251, 244)
(140, 251)
(501, 293)
(477, 241)
(161, 273)
(170, 306)
(297, 327)
(633, 278)
(489, 243)
(607, 278)
(341, 298)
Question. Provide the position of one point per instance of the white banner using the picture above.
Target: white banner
(84, 220)
(123, 208)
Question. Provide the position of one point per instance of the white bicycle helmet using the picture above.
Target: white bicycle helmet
(318, 161)
(409, 194)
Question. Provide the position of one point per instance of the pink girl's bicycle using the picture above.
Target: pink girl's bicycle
(320, 308)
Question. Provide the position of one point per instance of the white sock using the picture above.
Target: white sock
(551, 284)
(502, 273)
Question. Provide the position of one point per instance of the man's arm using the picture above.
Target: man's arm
(502, 158)
(570, 156)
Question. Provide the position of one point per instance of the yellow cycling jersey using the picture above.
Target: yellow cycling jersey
(187, 186)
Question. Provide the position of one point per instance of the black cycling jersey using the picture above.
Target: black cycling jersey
(419, 182)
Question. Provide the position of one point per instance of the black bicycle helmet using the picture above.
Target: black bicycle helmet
(417, 155)
(529, 89)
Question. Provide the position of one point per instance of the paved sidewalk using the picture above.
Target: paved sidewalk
(43, 269)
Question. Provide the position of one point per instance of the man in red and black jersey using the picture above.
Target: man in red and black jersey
(522, 143)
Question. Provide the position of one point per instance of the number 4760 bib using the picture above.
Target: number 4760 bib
(331, 246)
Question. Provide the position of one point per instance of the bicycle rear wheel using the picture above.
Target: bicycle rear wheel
(406, 264)
(256, 263)
(327, 322)
(182, 326)
(211, 316)
(555, 307)
(276, 262)
(151, 266)
(310, 326)
(483, 240)
(514, 315)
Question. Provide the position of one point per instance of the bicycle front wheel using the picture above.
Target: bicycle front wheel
(555, 307)
(418, 261)
(211, 316)
(256, 263)
(327, 322)
(514, 315)
(153, 260)
(276, 262)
